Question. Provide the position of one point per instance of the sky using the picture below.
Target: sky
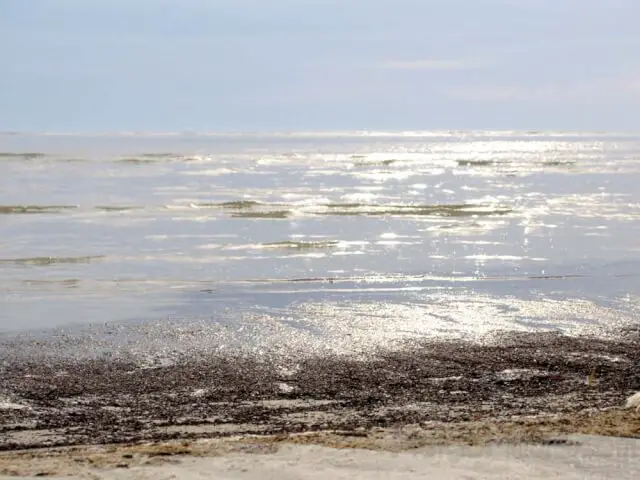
(217, 65)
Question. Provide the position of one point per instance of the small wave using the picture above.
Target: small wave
(361, 161)
(492, 163)
(140, 160)
(146, 158)
(268, 214)
(33, 209)
(439, 210)
(37, 156)
(558, 163)
(21, 156)
(64, 283)
(45, 261)
(302, 245)
(238, 204)
(115, 208)
(157, 155)
(476, 163)
(253, 209)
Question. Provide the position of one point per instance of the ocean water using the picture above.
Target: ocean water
(340, 241)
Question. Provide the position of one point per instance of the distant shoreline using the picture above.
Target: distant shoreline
(283, 133)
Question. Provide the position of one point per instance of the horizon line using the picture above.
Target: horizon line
(317, 133)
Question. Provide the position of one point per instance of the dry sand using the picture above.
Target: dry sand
(579, 457)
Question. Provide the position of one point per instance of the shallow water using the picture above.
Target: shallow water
(312, 241)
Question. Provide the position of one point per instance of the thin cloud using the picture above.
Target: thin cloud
(432, 64)
(575, 91)
(631, 85)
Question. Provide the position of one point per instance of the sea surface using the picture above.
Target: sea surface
(341, 241)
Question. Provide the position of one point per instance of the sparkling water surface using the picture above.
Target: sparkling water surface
(337, 241)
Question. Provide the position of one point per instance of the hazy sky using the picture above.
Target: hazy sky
(78, 65)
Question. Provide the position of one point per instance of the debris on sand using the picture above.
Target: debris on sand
(633, 401)
(447, 383)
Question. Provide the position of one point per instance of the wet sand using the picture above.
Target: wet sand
(522, 388)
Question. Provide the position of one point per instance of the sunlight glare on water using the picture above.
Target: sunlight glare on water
(331, 240)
